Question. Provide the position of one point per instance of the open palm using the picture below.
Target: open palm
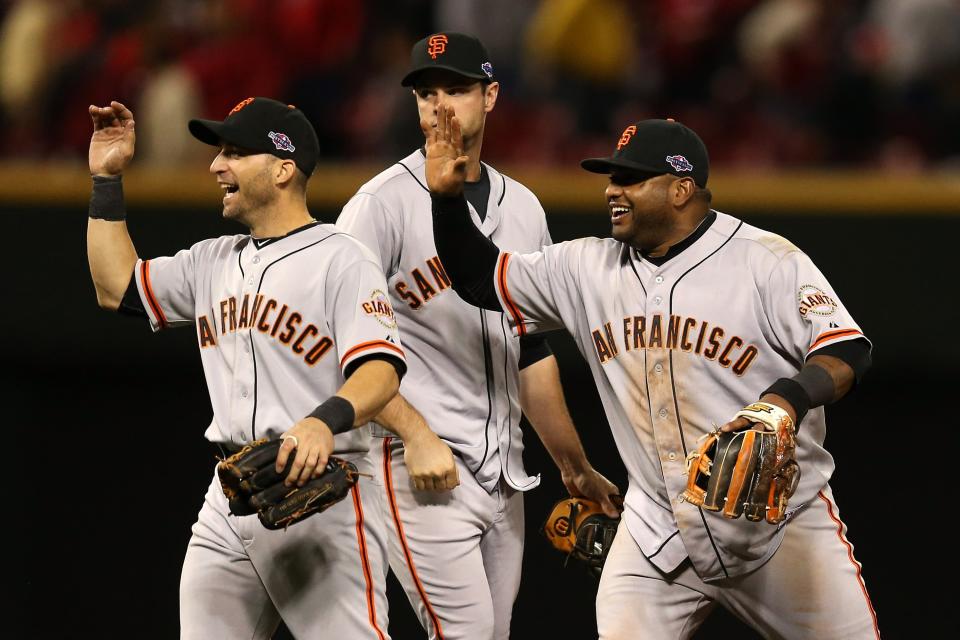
(446, 165)
(113, 139)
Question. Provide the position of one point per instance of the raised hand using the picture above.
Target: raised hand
(113, 139)
(446, 165)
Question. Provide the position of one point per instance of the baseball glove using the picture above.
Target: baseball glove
(252, 485)
(579, 528)
(751, 472)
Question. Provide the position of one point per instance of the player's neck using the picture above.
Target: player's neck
(683, 229)
(281, 220)
(472, 150)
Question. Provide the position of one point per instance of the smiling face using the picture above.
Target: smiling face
(471, 99)
(641, 209)
(247, 181)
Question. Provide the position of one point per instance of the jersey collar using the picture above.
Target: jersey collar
(679, 248)
(260, 243)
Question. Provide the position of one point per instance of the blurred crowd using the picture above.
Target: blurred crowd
(767, 83)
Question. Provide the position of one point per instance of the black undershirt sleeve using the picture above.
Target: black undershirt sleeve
(468, 256)
(533, 349)
(131, 304)
(397, 363)
(855, 353)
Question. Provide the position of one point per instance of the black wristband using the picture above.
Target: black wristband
(337, 413)
(106, 200)
(794, 393)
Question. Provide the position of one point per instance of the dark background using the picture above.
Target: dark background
(108, 422)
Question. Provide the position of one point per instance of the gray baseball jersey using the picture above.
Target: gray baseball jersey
(462, 361)
(678, 348)
(278, 324)
(458, 555)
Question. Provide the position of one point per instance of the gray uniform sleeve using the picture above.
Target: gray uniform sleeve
(804, 311)
(540, 291)
(368, 219)
(167, 287)
(360, 315)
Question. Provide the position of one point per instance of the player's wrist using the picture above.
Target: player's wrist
(789, 393)
(106, 198)
(337, 413)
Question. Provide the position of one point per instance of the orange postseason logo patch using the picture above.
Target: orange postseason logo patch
(437, 45)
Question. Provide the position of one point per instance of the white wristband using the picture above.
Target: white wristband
(769, 415)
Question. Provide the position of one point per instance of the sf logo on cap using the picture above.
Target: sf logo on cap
(240, 105)
(436, 45)
(281, 141)
(625, 136)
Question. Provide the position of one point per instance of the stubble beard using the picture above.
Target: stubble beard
(254, 203)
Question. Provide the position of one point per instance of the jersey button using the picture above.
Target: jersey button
(657, 300)
(658, 368)
(663, 413)
(243, 394)
(250, 281)
(659, 279)
(671, 456)
(256, 259)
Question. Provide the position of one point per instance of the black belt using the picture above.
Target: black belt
(224, 450)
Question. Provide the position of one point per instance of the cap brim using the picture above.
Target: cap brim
(411, 76)
(208, 131)
(609, 165)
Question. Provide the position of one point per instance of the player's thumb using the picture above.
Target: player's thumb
(612, 505)
(452, 478)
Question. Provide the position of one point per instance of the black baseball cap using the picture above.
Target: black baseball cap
(266, 126)
(654, 148)
(452, 51)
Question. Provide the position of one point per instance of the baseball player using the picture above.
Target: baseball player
(458, 555)
(685, 316)
(297, 339)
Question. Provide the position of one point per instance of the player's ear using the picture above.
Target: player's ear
(284, 172)
(683, 191)
(490, 93)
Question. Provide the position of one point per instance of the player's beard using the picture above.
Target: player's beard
(648, 225)
(253, 201)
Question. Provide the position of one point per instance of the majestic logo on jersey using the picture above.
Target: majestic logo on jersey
(437, 45)
(281, 141)
(379, 307)
(679, 163)
(813, 300)
(424, 284)
(261, 314)
(625, 136)
(487, 69)
(676, 333)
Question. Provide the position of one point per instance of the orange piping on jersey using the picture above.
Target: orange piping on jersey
(863, 587)
(365, 560)
(511, 305)
(365, 346)
(151, 299)
(830, 335)
(388, 476)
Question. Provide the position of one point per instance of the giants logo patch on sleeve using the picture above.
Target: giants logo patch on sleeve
(379, 307)
(813, 300)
